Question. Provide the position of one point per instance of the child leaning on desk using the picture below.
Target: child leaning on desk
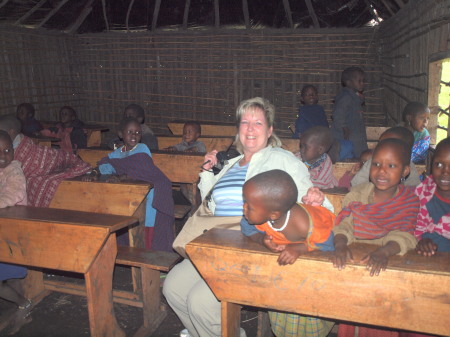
(13, 191)
(291, 229)
(190, 143)
(133, 160)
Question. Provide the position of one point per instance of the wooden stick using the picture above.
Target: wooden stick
(186, 13)
(104, 15)
(216, 14)
(130, 6)
(246, 14)
(52, 12)
(287, 9)
(31, 11)
(312, 13)
(84, 13)
(156, 14)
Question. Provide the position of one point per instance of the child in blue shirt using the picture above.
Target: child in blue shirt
(310, 114)
(416, 116)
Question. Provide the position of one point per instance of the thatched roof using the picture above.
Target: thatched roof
(87, 16)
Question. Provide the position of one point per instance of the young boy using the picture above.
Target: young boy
(291, 229)
(44, 168)
(148, 137)
(30, 125)
(396, 132)
(314, 143)
(191, 132)
(348, 118)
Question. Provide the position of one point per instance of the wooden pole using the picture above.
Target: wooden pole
(186, 13)
(246, 14)
(388, 7)
(216, 14)
(52, 12)
(400, 3)
(84, 13)
(104, 14)
(287, 8)
(156, 14)
(312, 13)
(130, 6)
(4, 2)
(31, 11)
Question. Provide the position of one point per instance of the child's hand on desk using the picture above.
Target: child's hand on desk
(376, 261)
(272, 246)
(426, 247)
(291, 253)
(341, 252)
(90, 177)
(116, 178)
(313, 197)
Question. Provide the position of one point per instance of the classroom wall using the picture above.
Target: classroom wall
(418, 34)
(199, 75)
(36, 66)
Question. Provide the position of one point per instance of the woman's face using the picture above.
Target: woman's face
(254, 131)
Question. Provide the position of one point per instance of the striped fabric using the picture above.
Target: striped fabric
(321, 171)
(292, 325)
(227, 192)
(374, 221)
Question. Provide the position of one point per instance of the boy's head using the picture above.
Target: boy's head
(399, 132)
(136, 111)
(416, 116)
(191, 132)
(365, 156)
(390, 163)
(314, 142)
(67, 114)
(6, 149)
(130, 132)
(11, 125)
(309, 95)
(25, 111)
(268, 195)
(353, 78)
(440, 169)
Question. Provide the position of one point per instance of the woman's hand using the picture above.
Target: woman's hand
(313, 197)
(210, 160)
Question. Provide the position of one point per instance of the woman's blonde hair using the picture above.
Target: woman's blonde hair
(269, 114)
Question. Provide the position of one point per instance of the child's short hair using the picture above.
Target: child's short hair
(138, 109)
(278, 189)
(349, 73)
(306, 87)
(125, 121)
(196, 125)
(444, 142)
(5, 136)
(403, 133)
(28, 107)
(413, 109)
(10, 122)
(403, 150)
(69, 108)
(320, 134)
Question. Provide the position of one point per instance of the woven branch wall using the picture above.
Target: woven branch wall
(199, 75)
(408, 42)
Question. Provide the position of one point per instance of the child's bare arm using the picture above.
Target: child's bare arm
(378, 259)
(290, 254)
(341, 252)
(272, 246)
(426, 247)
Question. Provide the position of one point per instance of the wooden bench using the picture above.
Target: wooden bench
(211, 143)
(411, 294)
(293, 145)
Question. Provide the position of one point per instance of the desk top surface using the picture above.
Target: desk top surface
(62, 216)
(236, 241)
(102, 179)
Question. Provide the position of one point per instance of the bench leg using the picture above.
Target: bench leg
(151, 300)
(231, 318)
(264, 329)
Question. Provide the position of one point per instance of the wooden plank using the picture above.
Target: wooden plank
(211, 143)
(144, 258)
(412, 294)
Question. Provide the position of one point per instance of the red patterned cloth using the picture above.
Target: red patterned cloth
(44, 168)
(373, 221)
(425, 223)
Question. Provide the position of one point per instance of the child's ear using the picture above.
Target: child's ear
(120, 134)
(406, 171)
(322, 149)
(274, 215)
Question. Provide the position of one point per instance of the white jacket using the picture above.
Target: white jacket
(269, 158)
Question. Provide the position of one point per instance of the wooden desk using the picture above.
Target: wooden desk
(293, 145)
(44, 141)
(211, 143)
(208, 128)
(412, 294)
(73, 241)
(93, 132)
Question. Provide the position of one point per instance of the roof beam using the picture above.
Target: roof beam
(186, 13)
(388, 7)
(216, 14)
(52, 12)
(287, 8)
(31, 11)
(246, 14)
(84, 13)
(156, 14)
(312, 13)
(400, 3)
(4, 2)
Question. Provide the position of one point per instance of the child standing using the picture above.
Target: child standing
(292, 229)
(310, 114)
(190, 143)
(433, 221)
(133, 160)
(382, 212)
(348, 115)
(13, 191)
(314, 143)
(416, 116)
(30, 125)
(69, 129)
